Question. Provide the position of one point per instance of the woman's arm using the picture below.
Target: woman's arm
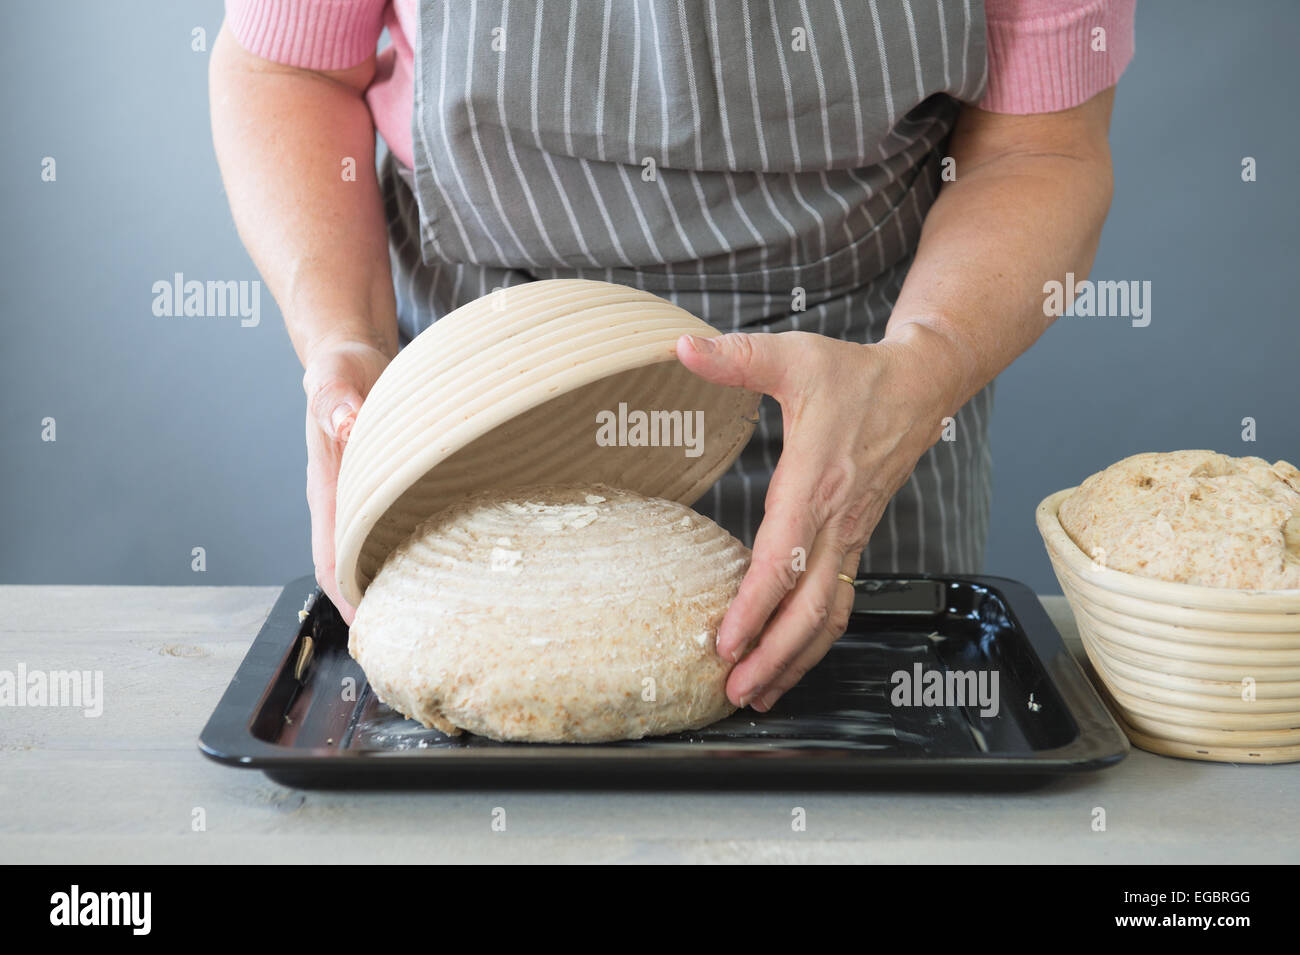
(282, 136)
(1027, 206)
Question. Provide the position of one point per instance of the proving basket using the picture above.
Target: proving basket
(506, 391)
(1200, 672)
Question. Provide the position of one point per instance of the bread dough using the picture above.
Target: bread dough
(553, 613)
(1194, 517)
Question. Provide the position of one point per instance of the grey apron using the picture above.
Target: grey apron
(737, 157)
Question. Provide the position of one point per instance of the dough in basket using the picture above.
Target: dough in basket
(553, 614)
(1193, 517)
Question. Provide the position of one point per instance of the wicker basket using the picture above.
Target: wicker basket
(504, 392)
(1175, 660)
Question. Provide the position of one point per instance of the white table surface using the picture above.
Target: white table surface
(125, 787)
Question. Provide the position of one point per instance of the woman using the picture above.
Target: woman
(868, 196)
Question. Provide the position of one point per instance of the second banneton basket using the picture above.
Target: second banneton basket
(520, 387)
(1173, 659)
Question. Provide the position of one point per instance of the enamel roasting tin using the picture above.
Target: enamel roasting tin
(962, 677)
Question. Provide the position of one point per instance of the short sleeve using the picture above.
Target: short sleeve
(1050, 55)
(312, 34)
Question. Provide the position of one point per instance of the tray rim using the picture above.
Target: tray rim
(227, 737)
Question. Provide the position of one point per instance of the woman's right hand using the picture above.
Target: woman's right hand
(337, 379)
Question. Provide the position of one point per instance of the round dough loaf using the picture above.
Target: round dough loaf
(553, 614)
(1194, 517)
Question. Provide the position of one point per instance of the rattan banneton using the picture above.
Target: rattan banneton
(505, 392)
(1199, 672)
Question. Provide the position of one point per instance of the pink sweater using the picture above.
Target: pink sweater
(1040, 51)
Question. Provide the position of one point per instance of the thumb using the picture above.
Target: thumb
(739, 359)
(334, 405)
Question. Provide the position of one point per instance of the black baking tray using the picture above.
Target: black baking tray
(309, 719)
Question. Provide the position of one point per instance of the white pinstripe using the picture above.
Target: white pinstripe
(655, 254)
(671, 206)
(568, 77)
(568, 139)
(460, 180)
(722, 89)
(761, 135)
(560, 191)
(965, 48)
(401, 255)
(886, 86)
(600, 88)
(914, 482)
(632, 157)
(943, 41)
(943, 510)
(821, 80)
(965, 545)
(690, 79)
(663, 90)
(785, 81)
(795, 151)
(664, 162)
(514, 155)
(699, 159)
(455, 288)
(442, 90)
(640, 214)
(488, 178)
(731, 162)
(713, 227)
(757, 236)
(916, 53)
(984, 69)
(853, 83)
(826, 141)
(875, 226)
(848, 232)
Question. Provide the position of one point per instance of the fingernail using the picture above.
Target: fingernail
(702, 345)
(339, 416)
(765, 702)
(751, 698)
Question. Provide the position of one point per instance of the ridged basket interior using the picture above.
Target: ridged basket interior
(1198, 672)
(505, 392)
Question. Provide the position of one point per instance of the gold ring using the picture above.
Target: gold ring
(845, 577)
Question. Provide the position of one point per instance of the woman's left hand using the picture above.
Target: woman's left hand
(856, 419)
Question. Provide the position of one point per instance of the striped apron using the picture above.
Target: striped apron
(765, 166)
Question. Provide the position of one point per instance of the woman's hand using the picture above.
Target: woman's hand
(338, 378)
(856, 419)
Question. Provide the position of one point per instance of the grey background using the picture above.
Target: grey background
(175, 433)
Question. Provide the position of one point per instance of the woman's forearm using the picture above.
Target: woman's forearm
(282, 138)
(1027, 206)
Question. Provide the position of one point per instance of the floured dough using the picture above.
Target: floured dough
(1193, 517)
(556, 614)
